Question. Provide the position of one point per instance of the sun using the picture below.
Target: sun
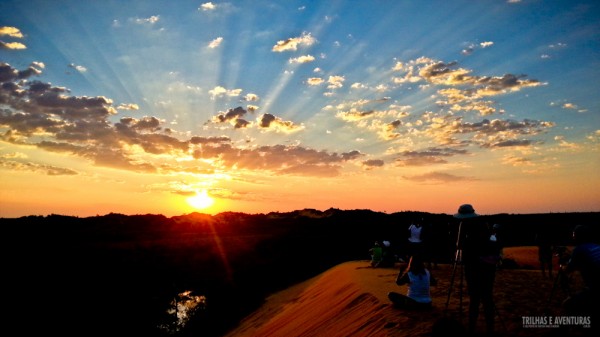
(201, 200)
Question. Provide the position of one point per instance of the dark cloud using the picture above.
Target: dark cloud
(266, 120)
(36, 167)
(510, 143)
(231, 114)
(438, 177)
(431, 156)
(371, 163)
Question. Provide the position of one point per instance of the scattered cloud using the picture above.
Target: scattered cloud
(314, 81)
(36, 167)
(215, 43)
(208, 6)
(302, 59)
(291, 44)
(80, 69)
(219, 91)
(12, 32)
(149, 20)
(12, 45)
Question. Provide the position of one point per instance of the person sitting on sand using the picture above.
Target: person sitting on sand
(418, 279)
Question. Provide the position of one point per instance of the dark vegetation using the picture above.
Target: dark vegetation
(116, 274)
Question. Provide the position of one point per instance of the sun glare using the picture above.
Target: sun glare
(201, 200)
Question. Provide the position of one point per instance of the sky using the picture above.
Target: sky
(172, 107)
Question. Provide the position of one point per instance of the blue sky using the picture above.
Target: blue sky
(282, 105)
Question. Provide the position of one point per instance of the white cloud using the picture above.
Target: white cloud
(215, 43)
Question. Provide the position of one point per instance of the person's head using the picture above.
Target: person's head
(583, 234)
(465, 211)
(416, 264)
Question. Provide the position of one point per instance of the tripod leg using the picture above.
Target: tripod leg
(456, 259)
(460, 291)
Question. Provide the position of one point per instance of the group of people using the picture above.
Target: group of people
(479, 252)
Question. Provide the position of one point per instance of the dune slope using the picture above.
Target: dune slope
(351, 300)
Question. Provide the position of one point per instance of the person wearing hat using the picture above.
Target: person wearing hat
(480, 257)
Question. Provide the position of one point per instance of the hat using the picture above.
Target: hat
(465, 211)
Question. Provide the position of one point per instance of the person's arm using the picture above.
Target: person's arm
(432, 280)
(402, 278)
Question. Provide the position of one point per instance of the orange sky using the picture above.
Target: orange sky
(134, 109)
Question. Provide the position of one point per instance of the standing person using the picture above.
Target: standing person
(585, 259)
(544, 252)
(414, 239)
(419, 280)
(480, 256)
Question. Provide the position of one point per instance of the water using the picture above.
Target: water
(183, 307)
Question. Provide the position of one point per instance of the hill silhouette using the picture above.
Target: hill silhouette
(118, 274)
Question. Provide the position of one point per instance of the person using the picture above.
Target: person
(419, 280)
(387, 258)
(480, 256)
(544, 253)
(414, 239)
(585, 258)
(376, 254)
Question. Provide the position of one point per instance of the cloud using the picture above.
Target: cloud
(268, 121)
(292, 43)
(313, 81)
(80, 126)
(128, 106)
(231, 115)
(215, 43)
(14, 33)
(36, 167)
(302, 59)
(372, 163)
(149, 20)
(251, 97)
(438, 178)
(12, 45)
(431, 156)
(219, 91)
(208, 6)
(279, 159)
(354, 115)
(80, 69)
(335, 82)
(11, 31)
(458, 88)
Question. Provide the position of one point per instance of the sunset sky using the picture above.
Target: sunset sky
(255, 106)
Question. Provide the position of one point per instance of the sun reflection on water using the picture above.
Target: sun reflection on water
(181, 309)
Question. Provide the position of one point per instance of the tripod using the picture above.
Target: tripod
(457, 261)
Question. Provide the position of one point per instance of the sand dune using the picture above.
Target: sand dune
(351, 300)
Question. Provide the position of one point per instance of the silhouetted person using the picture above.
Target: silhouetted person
(585, 259)
(376, 254)
(419, 280)
(388, 258)
(480, 256)
(544, 252)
